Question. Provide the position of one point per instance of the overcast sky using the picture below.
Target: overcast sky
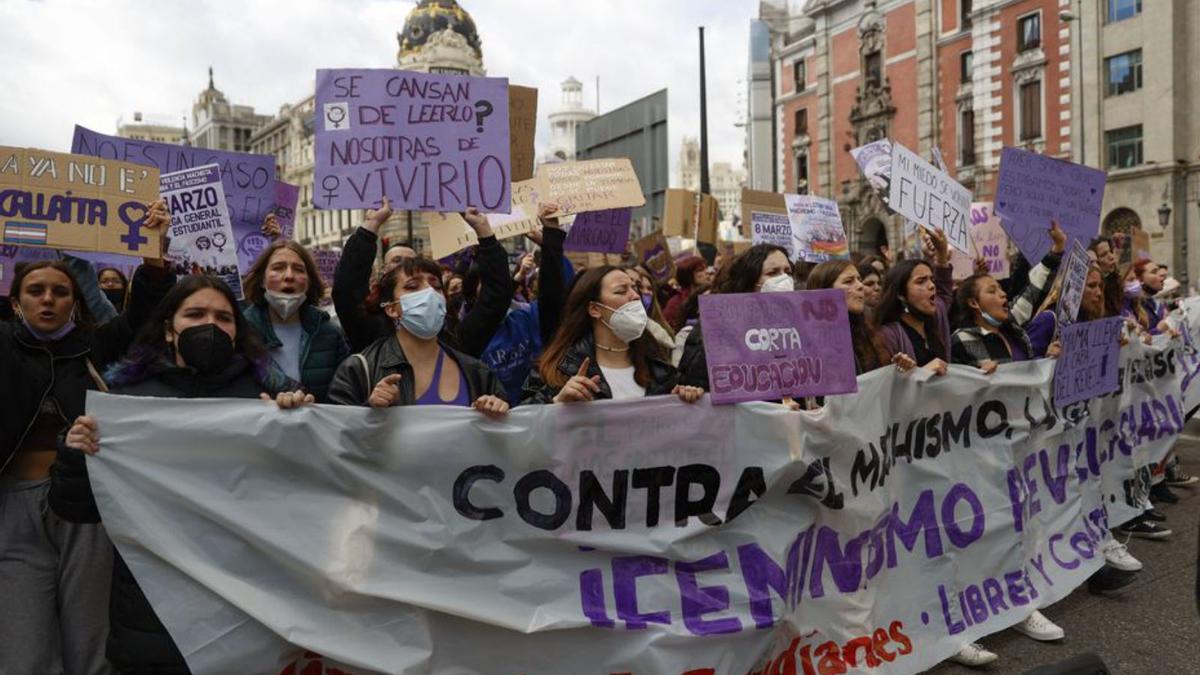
(85, 62)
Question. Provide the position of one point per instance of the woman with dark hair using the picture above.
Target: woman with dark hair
(283, 290)
(196, 345)
(989, 331)
(913, 314)
(689, 273)
(869, 351)
(54, 574)
(113, 285)
(872, 281)
(413, 365)
(601, 350)
(762, 268)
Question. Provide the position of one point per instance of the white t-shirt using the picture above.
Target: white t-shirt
(622, 384)
(287, 356)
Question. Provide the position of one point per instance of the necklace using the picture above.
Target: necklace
(612, 349)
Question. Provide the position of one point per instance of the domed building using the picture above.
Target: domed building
(439, 36)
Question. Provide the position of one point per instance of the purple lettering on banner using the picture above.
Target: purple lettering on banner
(1088, 365)
(429, 142)
(248, 180)
(626, 570)
(287, 196)
(605, 231)
(765, 346)
(697, 600)
(1034, 189)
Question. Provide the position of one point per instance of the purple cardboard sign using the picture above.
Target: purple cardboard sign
(327, 262)
(286, 198)
(248, 180)
(429, 142)
(1089, 363)
(1034, 189)
(11, 256)
(605, 231)
(764, 346)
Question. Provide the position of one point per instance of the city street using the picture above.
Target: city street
(1153, 627)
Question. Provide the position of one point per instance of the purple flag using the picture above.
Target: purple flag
(1034, 189)
(764, 346)
(605, 231)
(248, 180)
(286, 198)
(1088, 365)
(429, 142)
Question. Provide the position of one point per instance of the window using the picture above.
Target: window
(802, 173)
(1119, 10)
(873, 67)
(966, 67)
(1123, 72)
(964, 14)
(799, 75)
(1030, 98)
(1029, 32)
(967, 142)
(1124, 147)
(801, 121)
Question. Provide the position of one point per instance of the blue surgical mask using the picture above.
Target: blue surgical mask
(422, 313)
(53, 336)
(647, 301)
(991, 320)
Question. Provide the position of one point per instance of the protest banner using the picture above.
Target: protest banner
(327, 262)
(1088, 364)
(448, 232)
(429, 142)
(874, 160)
(62, 201)
(762, 202)
(605, 231)
(287, 196)
(522, 126)
(1034, 189)
(988, 241)
(765, 346)
(590, 185)
(920, 192)
(775, 229)
(816, 229)
(248, 180)
(653, 252)
(1073, 270)
(959, 490)
(201, 239)
(11, 256)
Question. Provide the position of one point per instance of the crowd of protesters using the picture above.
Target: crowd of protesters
(408, 330)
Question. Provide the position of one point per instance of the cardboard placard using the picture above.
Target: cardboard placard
(988, 241)
(327, 261)
(1089, 364)
(816, 229)
(1034, 189)
(522, 126)
(57, 200)
(680, 217)
(429, 142)
(605, 231)
(590, 185)
(1074, 270)
(201, 239)
(11, 256)
(448, 232)
(762, 202)
(765, 346)
(920, 192)
(773, 228)
(1140, 243)
(653, 252)
(287, 196)
(248, 180)
(732, 249)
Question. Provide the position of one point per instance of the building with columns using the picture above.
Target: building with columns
(964, 76)
(220, 125)
(565, 120)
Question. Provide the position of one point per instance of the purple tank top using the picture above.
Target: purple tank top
(431, 397)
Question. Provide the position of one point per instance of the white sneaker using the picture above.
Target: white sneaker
(1117, 555)
(1038, 627)
(974, 655)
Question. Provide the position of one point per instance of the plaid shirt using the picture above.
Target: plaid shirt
(973, 345)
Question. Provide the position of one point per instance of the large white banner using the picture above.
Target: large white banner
(881, 533)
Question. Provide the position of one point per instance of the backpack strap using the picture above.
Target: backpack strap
(96, 376)
(366, 374)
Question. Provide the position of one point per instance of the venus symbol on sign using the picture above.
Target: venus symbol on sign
(336, 114)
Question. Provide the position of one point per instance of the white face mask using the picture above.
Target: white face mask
(285, 304)
(628, 322)
(780, 283)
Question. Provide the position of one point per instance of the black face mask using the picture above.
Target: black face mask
(206, 348)
(116, 296)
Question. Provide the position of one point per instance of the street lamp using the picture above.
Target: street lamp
(1164, 215)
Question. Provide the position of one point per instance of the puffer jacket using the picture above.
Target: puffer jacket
(322, 345)
(663, 375)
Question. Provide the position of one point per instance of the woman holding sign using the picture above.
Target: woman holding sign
(195, 345)
(412, 366)
(283, 290)
(602, 349)
(869, 351)
(914, 311)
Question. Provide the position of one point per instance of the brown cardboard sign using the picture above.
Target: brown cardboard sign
(654, 254)
(57, 200)
(590, 185)
(522, 125)
(679, 216)
(765, 202)
(449, 233)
